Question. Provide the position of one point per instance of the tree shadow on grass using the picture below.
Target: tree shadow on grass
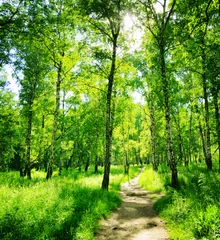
(80, 216)
(88, 207)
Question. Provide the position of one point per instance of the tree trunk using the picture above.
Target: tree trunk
(202, 138)
(180, 140)
(208, 157)
(96, 155)
(79, 157)
(96, 164)
(189, 140)
(62, 133)
(55, 123)
(41, 144)
(215, 92)
(69, 161)
(88, 153)
(28, 142)
(9, 153)
(173, 163)
(180, 143)
(153, 137)
(109, 125)
(217, 124)
(126, 162)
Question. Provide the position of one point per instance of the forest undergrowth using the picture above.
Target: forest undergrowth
(65, 207)
(193, 210)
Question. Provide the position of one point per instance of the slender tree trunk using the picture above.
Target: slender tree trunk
(208, 157)
(69, 161)
(215, 92)
(78, 154)
(202, 137)
(126, 161)
(96, 164)
(88, 153)
(126, 164)
(96, 156)
(173, 162)
(28, 143)
(125, 149)
(55, 123)
(180, 144)
(80, 160)
(141, 162)
(9, 153)
(180, 140)
(217, 125)
(62, 133)
(189, 140)
(41, 144)
(139, 149)
(153, 137)
(109, 125)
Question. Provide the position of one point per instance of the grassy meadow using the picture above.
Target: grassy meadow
(65, 207)
(192, 211)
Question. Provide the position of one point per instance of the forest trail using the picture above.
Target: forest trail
(135, 219)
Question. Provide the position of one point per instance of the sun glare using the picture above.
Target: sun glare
(132, 27)
(128, 22)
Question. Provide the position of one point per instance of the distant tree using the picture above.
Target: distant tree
(160, 29)
(105, 18)
(34, 66)
(9, 120)
(199, 37)
(57, 37)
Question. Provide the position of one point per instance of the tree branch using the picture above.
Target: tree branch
(100, 29)
(91, 86)
(170, 13)
(12, 16)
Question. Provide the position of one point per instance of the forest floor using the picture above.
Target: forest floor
(135, 219)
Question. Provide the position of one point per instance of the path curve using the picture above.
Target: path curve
(135, 219)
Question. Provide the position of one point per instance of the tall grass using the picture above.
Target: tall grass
(193, 211)
(65, 207)
(151, 180)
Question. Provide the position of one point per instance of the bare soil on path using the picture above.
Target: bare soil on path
(135, 219)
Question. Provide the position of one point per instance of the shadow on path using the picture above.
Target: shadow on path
(135, 219)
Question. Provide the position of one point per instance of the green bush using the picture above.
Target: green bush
(207, 222)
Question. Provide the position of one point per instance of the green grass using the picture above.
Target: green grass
(151, 181)
(65, 207)
(193, 211)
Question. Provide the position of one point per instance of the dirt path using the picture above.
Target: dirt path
(135, 219)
